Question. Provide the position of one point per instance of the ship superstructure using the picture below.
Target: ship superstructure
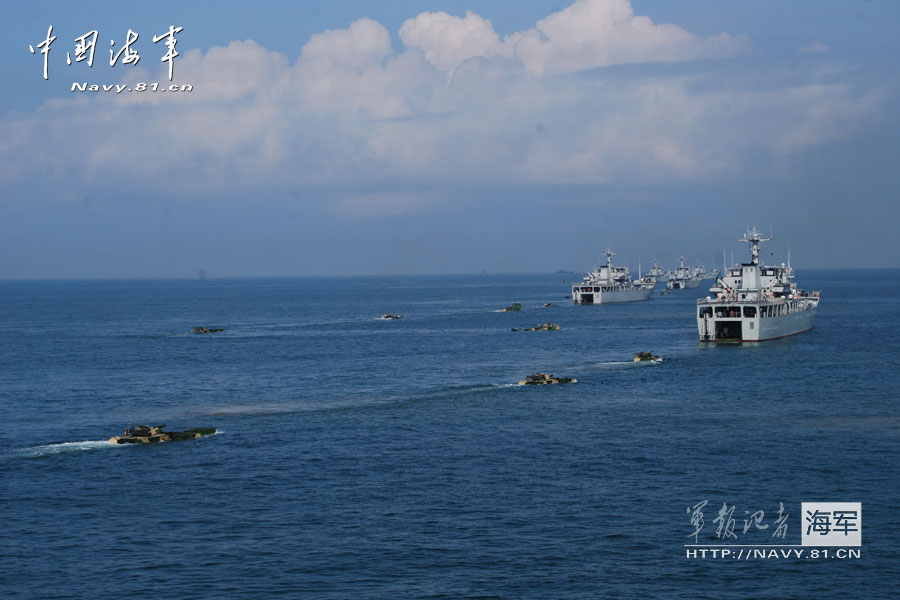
(607, 284)
(682, 278)
(754, 303)
(702, 274)
(658, 273)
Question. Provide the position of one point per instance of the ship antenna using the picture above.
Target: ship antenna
(754, 238)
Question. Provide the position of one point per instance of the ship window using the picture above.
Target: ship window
(769, 309)
(728, 311)
(749, 311)
(705, 311)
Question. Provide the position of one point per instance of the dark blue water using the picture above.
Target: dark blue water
(361, 458)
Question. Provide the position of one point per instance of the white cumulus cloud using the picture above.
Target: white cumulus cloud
(447, 40)
(456, 104)
(598, 33)
(585, 35)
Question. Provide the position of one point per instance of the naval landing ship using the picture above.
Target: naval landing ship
(755, 303)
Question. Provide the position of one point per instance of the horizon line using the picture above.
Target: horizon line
(349, 275)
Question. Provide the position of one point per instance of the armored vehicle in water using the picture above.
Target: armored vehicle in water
(544, 379)
(144, 434)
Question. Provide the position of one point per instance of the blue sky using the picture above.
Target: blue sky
(448, 136)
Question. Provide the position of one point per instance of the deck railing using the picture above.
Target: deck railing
(766, 301)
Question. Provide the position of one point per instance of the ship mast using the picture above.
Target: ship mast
(754, 238)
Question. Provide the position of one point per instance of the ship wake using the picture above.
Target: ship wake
(64, 447)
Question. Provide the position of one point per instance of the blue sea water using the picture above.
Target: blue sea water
(361, 458)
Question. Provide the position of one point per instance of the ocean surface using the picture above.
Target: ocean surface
(361, 458)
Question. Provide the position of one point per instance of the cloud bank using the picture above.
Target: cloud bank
(814, 48)
(456, 104)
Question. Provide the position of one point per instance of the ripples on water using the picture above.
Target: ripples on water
(369, 458)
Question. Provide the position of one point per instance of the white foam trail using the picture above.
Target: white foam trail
(614, 363)
(62, 447)
(67, 447)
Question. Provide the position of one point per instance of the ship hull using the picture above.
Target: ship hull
(682, 284)
(607, 294)
(750, 322)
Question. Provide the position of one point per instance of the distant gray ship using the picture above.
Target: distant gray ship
(702, 274)
(608, 284)
(657, 273)
(683, 278)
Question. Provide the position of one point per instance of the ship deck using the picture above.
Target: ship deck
(766, 301)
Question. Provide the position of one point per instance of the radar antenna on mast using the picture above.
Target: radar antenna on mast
(754, 238)
(609, 255)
